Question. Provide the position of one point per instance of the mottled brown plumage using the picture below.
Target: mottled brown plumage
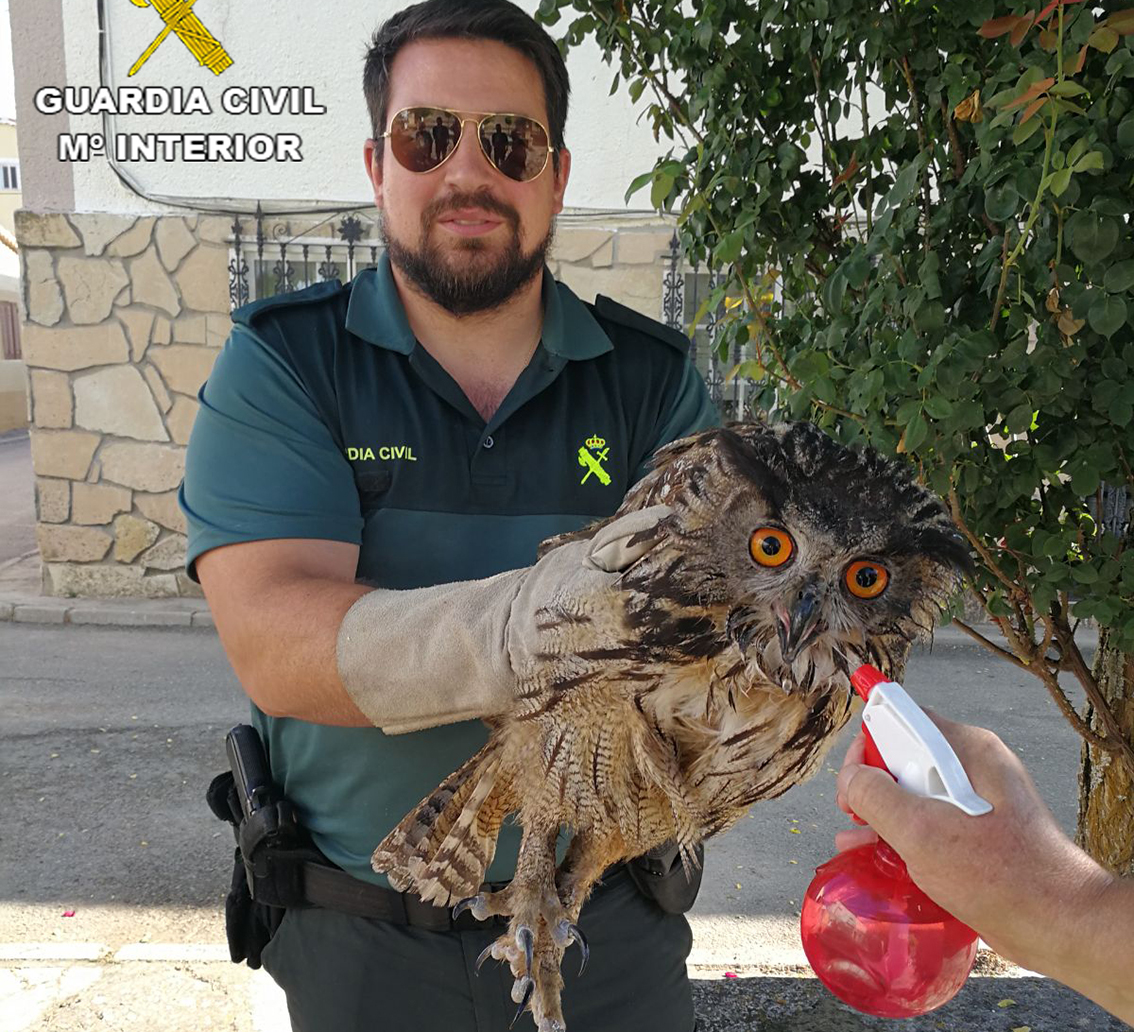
(708, 679)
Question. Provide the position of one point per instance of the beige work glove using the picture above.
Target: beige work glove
(430, 656)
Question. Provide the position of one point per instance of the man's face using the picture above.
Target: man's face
(464, 234)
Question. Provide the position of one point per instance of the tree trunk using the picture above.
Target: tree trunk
(1106, 787)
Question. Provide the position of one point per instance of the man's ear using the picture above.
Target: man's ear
(372, 159)
(562, 174)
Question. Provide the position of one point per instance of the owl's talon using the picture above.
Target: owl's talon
(584, 949)
(473, 903)
(525, 939)
(484, 955)
(526, 986)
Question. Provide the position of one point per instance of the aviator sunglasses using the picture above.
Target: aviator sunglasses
(424, 138)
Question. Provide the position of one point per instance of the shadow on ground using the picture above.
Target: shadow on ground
(768, 1004)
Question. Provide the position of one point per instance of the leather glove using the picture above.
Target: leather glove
(430, 656)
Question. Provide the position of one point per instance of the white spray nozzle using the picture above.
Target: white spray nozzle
(915, 750)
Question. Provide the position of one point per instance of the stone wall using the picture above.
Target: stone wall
(125, 317)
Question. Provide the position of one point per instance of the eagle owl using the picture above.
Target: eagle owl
(714, 673)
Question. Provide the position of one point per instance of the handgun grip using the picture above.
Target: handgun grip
(249, 767)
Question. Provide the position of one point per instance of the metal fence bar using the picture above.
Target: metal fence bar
(10, 330)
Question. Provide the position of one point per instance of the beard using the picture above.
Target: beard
(469, 277)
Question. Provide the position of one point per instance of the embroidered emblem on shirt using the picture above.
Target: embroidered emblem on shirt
(385, 452)
(592, 455)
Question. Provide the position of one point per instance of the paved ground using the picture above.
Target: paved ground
(111, 734)
(17, 508)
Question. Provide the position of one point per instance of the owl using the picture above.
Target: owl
(713, 674)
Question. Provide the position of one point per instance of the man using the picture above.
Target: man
(429, 423)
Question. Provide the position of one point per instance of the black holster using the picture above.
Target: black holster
(661, 876)
(267, 877)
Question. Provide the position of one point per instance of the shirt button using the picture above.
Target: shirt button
(489, 442)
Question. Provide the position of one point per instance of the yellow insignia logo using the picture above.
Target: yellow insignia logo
(592, 455)
(187, 27)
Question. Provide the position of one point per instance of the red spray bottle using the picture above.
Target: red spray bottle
(873, 937)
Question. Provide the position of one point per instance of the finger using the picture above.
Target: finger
(856, 751)
(852, 838)
(876, 797)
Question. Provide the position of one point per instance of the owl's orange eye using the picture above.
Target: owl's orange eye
(771, 546)
(866, 579)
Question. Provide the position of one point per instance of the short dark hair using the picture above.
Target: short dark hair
(496, 20)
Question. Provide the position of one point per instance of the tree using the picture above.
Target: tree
(950, 279)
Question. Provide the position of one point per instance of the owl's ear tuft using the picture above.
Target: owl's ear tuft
(946, 547)
(745, 460)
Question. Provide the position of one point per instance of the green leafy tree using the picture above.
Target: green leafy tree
(926, 209)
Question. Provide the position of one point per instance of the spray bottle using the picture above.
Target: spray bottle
(873, 937)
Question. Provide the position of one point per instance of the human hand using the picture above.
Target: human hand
(1011, 875)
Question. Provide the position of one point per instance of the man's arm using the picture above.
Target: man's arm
(278, 606)
(1011, 875)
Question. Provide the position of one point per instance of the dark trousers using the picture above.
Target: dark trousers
(353, 974)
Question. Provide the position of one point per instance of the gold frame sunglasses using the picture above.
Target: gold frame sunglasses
(419, 148)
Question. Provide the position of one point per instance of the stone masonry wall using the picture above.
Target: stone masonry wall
(125, 316)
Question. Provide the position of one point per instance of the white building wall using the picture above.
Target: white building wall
(296, 43)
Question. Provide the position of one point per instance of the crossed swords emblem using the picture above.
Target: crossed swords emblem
(180, 20)
(592, 464)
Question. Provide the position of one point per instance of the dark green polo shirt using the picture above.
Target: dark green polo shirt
(323, 418)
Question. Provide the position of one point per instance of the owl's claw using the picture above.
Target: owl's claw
(566, 933)
(474, 903)
(524, 986)
(526, 941)
(584, 949)
(484, 955)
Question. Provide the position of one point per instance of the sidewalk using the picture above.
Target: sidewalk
(21, 601)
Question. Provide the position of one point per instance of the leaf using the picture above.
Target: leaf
(1059, 181)
(637, 183)
(661, 189)
(1091, 236)
(995, 27)
(1122, 22)
(1001, 202)
(1080, 61)
(728, 250)
(1032, 108)
(916, 432)
(1092, 162)
(1007, 1002)
(1025, 130)
(1107, 314)
(1021, 29)
(1120, 276)
(1103, 38)
(1036, 88)
(1068, 88)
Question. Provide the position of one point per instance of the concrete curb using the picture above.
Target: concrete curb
(20, 605)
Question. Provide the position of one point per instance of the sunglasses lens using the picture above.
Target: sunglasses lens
(517, 146)
(421, 138)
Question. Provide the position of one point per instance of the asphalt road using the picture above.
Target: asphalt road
(110, 736)
(17, 495)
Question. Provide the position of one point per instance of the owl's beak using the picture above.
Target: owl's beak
(802, 622)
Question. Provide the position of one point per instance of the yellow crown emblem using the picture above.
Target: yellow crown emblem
(595, 442)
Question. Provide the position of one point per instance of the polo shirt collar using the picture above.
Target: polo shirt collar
(375, 314)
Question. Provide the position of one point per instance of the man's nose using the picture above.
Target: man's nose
(467, 163)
